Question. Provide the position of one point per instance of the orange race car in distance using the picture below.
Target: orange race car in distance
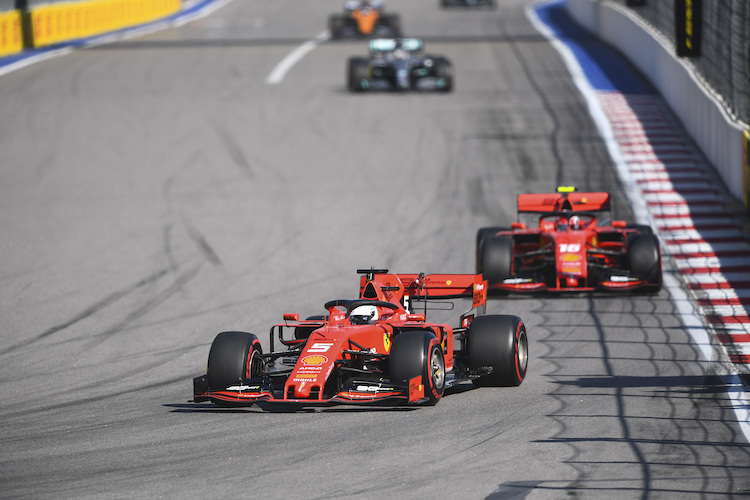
(364, 18)
(567, 242)
(377, 348)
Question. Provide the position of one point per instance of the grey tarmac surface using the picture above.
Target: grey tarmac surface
(157, 191)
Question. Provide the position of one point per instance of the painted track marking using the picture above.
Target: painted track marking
(281, 69)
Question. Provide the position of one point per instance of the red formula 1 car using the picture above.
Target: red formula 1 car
(371, 349)
(568, 243)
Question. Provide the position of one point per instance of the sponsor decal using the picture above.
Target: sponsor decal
(622, 279)
(688, 18)
(516, 281)
(387, 342)
(310, 369)
(571, 269)
(243, 388)
(300, 377)
(571, 257)
(316, 359)
(320, 347)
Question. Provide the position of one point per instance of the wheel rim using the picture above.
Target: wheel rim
(254, 364)
(437, 368)
(522, 352)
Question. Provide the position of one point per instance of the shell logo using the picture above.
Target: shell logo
(314, 360)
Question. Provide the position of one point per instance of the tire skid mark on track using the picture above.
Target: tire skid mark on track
(90, 311)
(179, 282)
(76, 401)
(676, 209)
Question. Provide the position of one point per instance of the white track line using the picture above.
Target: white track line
(281, 69)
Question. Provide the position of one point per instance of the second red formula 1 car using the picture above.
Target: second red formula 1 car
(371, 349)
(568, 243)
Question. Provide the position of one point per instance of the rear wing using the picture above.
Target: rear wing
(395, 287)
(559, 202)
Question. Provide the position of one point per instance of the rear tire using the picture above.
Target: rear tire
(357, 74)
(645, 259)
(233, 359)
(641, 229)
(499, 342)
(496, 259)
(393, 23)
(419, 353)
(482, 234)
(335, 26)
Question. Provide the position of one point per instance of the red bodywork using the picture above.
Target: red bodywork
(550, 253)
(337, 341)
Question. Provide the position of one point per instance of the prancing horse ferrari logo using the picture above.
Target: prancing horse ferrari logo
(387, 341)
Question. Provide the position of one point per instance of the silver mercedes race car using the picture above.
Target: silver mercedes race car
(399, 64)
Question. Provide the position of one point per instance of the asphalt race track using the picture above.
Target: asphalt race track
(158, 190)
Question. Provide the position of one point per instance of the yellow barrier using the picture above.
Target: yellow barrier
(10, 33)
(60, 22)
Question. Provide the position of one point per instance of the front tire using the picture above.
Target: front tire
(419, 353)
(234, 358)
(499, 342)
(482, 234)
(357, 74)
(496, 259)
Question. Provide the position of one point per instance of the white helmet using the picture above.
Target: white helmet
(362, 315)
(575, 222)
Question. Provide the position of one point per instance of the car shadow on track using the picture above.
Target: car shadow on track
(191, 407)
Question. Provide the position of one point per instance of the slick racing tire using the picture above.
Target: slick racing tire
(496, 258)
(335, 25)
(482, 234)
(499, 342)
(419, 353)
(234, 358)
(641, 229)
(357, 73)
(645, 259)
(392, 22)
(444, 74)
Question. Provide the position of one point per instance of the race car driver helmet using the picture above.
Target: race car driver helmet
(575, 222)
(363, 315)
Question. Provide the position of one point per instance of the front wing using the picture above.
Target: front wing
(365, 392)
(614, 282)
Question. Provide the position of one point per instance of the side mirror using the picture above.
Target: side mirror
(518, 225)
(619, 224)
(291, 317)
(415, 317)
